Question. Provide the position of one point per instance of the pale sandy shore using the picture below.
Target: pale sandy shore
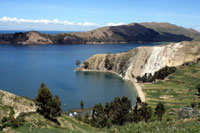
(136, 86)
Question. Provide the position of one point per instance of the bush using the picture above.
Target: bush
(4, 119)
(160, 110)
(86, 65)
(14, 122)
(86, 119)
(108, 63)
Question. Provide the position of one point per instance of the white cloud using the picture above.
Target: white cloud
(198, 29)
(114, 24)
(12, 23)
(46, 21)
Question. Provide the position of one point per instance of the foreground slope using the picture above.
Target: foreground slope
(24, 111)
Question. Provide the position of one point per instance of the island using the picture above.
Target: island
(131, 33)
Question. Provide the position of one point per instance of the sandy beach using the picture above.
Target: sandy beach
(138, 88)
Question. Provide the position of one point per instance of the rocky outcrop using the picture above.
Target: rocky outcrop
(132, 33)
(17, 103)
(141, 60)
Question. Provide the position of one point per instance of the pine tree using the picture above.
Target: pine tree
(48, 105)
(56, 107)
(82, 104)
(44, 100)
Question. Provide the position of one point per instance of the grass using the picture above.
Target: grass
(174, 126)
(36, 123)
(177, 90)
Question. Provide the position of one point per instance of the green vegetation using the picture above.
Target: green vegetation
(78, 62)
(177, 90)
(108, 63)
(86, 65)
(49, 106)
(82, 104)
(160, 74)
(160, 110)
(119, 112)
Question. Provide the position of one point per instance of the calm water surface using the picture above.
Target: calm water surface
(24, 68)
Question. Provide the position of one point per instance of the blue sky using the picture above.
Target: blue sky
(90, 14)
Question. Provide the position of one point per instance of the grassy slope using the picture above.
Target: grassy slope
(36, 123)
(176, 91)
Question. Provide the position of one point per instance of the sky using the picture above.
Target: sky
(83, 15)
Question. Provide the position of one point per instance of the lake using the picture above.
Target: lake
(24, 68)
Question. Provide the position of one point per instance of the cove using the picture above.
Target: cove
(24, 68)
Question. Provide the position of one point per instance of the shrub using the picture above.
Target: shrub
(160, 110)
(4, 119)
(86, 65)
(108, 63)
(14, 122)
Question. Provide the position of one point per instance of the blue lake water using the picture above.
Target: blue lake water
(24, 68)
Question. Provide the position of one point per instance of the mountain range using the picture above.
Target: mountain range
(131, 33)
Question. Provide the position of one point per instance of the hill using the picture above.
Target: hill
(163, 28)
(132, 33)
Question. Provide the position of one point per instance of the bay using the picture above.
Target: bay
(24, 68)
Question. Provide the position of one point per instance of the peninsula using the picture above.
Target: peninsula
(143, 60)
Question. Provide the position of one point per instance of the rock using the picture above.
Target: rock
(19, 104)
(151, 59)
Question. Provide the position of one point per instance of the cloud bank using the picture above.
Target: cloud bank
(9, 23)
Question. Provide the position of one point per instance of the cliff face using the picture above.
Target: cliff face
(10, 102)
(143, 60)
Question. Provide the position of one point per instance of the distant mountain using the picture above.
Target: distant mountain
(132, 33)
(171, 28)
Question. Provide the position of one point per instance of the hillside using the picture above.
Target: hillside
(164, 28)
(141, 60)
(132, 33)
(24, 111)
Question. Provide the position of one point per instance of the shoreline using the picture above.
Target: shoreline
(136, 86)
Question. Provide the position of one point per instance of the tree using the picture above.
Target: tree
(56, 107)
(44, 100)
(107, 108)
(199, 90)
(48, 105)
(86, 65)
(160, 110)
(78, 62)
(145, 112)
(138, 100)
(98, 116)
(120, 109)
(82, 104)
(86, 119)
